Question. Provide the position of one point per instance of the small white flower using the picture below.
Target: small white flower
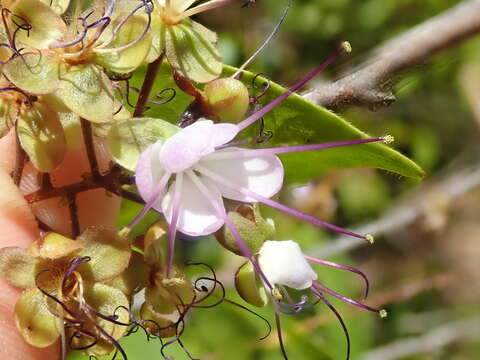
(283, 263)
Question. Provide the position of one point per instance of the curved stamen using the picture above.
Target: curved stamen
(246, 153)
(269, 107)
(230, 225)
(244, 191)
(101, 48)
(339, 317)
(172, 231)
(76, 262)
(342, 267)
(320, 287)
(280, 336)
(265, 43)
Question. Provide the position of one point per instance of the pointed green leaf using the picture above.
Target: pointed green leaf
(47, 27)
(109, 254)
(128, 139)
(127, 60)
(87, 91)
(17, 268)
(38, 326)
(41, 136)
(37, 73)
(189, 49)
(297, 121)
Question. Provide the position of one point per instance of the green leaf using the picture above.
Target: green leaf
(47, 27)
(109, 254)
(17, 268)
(36, 73)
(128, 139)
(87, 91)
(189, 49)
(127, 60)
(38, 326)
(41, 136)
(8, 115)
(297, 121)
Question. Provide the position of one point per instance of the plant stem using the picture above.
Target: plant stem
(72, 206)
(147, 86)
(90, 148)
(20, 159)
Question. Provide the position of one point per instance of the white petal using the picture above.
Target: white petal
(283, 263)
(262, 175)
(149, 172)
(197, 216)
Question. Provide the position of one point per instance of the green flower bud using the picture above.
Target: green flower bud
(249, 286)
(228, 99)
(253, 228)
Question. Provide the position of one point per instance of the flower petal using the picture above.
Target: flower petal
(182, 150)
(283, 263)
(149, 172)
(262, 175)
(197, 216)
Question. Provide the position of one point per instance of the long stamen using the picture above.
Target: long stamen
(313, 220)
(246, 153)
(172, 231)
(265, 43)
(209, 5)
(320, 287)
(280, 337)
(231, 226)
(345, 47)
(153, 199)
(339, 317)
(342, 267)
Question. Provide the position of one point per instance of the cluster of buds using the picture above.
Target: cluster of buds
(62, 63)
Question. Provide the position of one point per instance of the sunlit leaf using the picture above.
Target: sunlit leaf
(41, 136)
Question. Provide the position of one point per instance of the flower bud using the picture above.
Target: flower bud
(228, 99)
(249, 286)
(253, 228)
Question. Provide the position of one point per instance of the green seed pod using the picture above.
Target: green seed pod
(166, 323)
(228, 99)
(253, 228)
(168, 294)
(249, 286)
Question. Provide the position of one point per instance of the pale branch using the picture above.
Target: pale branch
(369, 83)
(425, 199)
(437, 338)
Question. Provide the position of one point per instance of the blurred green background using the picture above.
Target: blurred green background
(426, 270)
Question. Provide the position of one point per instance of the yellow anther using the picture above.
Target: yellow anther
(370, 239)
(346, 47)
(383, 313)
(388, 139)
(124, 232)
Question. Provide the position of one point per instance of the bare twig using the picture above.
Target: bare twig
(409, 210)
(147, 86)
(463, 330)
(369, 83)
(90, 148)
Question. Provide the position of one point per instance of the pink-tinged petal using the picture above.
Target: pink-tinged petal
(262, 175)
(224, 133)
(148, 172)
(197, 215)
(187, 147)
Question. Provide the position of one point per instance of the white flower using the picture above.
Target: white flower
(283, 263)
(192, 196)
